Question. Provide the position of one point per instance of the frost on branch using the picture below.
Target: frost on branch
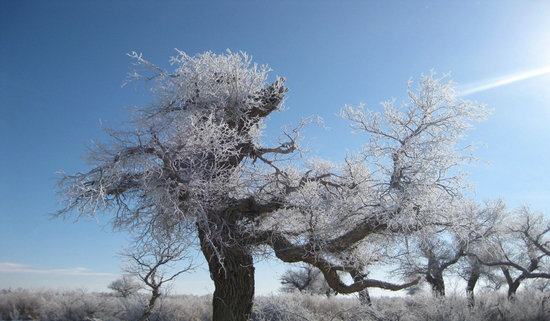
(521, 249)
(415, 143)
(153, 261)
(181, 156)
(407, 177)
(437, 249)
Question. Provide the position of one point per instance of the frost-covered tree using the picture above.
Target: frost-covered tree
(154, 261)
(481, 225)
(521, 250)
(408, 170)
(305, 279)
(189, 164)
(192, 163)
(434, 250)
(125, 286)
(430, 257)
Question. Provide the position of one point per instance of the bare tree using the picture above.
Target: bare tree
(521, 250)
(125, 286)
(542, 285)
(153, 260)
(192, 162)
(534, 228)
(430, 256)
(432, 251)
(481, 226)
(306, 279)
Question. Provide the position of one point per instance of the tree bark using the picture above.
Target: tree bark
(472, 281)
(513, 285)
(364, 296)
(233, 277)
(473, 277)
(437, 283)
(512, 288)
(155, 294)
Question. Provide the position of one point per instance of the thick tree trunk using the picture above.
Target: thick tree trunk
(512, 288)
(233, 278)
(437, 283)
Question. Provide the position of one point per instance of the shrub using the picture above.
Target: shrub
(49, 305)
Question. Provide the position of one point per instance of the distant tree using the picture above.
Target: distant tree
(521, 251)
(484, 223)
(429, 257)
(308, 279)
(125, 286)
(192, 163)
(435, 249)
(153, 260)
(534, 228)
(305, 279)
(542, 285)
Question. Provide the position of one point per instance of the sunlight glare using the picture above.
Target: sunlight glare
(501, 81)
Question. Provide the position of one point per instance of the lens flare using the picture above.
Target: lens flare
(501, 81)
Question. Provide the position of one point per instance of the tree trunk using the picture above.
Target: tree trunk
(437, 283)
(233, 278)
(472, 281)
(513, 285)
(364, 297)
(155, 294)
(512, 288)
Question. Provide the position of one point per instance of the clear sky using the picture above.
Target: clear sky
(62, 64)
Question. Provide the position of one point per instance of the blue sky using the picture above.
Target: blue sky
(62, 64)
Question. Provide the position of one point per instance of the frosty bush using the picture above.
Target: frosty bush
(125, 286)
(47, 305)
